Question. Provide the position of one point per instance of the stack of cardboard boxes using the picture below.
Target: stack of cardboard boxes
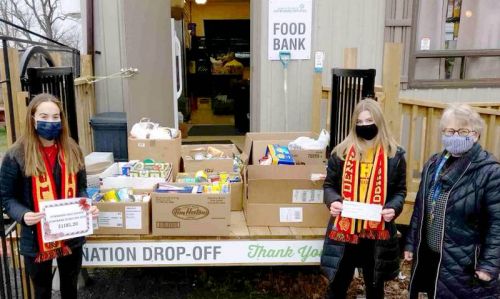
(284, 195)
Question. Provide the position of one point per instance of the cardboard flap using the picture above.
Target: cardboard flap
(280, 172)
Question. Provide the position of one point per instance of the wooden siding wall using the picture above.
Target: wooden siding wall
(398, 21)
(337, 24)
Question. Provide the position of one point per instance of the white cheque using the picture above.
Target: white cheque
(66, 219)
(363, 211)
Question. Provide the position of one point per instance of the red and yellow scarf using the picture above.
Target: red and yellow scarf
(350, 230)
(44, 190)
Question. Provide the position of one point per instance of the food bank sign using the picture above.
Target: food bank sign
(200, 252)
(290, 23)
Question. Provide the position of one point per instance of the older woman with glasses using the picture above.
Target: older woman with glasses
(454, 237)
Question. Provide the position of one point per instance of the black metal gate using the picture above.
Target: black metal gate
(349, 86)
(13, 279)
(59, 82)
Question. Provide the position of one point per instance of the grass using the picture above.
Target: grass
(3, 140)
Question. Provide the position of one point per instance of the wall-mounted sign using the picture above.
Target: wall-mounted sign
(290, 25)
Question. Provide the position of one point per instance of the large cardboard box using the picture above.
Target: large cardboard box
(236, 191)
(256, 145)
(159, 150)
(284, 184)
(293, 215)
(184, 214)
(216, 165)
(110, 179)
(123, 218)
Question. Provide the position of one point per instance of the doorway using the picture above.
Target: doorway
(216, 100)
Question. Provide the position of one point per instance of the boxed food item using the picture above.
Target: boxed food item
(292, 215)
(256, 145)
(210, 158)
(182, 210)
(123, 216)
(159, 150)
(129, 175)
(235, 179)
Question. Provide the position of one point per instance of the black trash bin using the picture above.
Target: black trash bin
(110, 134)
(242, 106)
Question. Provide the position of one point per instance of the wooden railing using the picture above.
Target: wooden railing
(420, 134)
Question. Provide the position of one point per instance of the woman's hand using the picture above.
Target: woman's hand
(408, 256)
(335, 208)
(94, 211)
(388, 214)
(32, 218)
(483, 276)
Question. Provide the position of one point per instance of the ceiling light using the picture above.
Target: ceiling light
(201, 1)
(468, 13)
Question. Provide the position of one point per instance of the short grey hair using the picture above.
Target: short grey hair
(465, 115)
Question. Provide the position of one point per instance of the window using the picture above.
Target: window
(456, 43)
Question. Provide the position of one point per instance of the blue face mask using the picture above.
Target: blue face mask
(457, 145)
(49, 130)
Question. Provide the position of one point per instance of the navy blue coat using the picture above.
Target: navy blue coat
(386, 252)
(471, 236)
(17, 199)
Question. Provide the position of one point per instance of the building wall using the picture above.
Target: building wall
(337, 24)
(108, 57)
(448, 95)
(233, 10)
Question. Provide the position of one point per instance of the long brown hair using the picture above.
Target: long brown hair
(383, 137)
(33, 160)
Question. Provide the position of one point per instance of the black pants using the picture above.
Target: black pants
(41, 274)
(356, 254)
(424, 280)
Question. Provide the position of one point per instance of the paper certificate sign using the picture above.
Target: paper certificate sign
(66, 219)
(363, 211)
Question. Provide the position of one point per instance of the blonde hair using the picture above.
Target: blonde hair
(383, 138)
(464, 115)
(31, 144)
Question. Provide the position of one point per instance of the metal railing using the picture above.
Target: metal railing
(14, 282)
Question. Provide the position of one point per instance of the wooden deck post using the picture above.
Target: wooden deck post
(85, 104)
(15, 83)
(391, 71)
(351, 58)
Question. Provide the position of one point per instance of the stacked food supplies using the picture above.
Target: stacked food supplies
(284, 179)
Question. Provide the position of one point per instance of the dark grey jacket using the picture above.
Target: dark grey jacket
(471, 237)
(386, 252)
(17, 199)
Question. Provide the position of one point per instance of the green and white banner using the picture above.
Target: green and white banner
(200, 252)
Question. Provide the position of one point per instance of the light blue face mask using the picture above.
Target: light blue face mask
(457, 145)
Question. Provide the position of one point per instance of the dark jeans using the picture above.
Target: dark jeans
(424, 280)
(41, 274)
(361, 254)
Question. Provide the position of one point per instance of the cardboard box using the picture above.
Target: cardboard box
(159, 150)
(236, 191)
(185, 214)
(209, 166)
(284, 184)
(256, 144)
(123, 218)
(293, 215)
(110, 180)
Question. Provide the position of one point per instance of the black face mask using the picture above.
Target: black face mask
(367, 132)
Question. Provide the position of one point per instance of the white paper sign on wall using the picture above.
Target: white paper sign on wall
(290, 25)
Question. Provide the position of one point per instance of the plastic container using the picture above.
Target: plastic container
(110, 134)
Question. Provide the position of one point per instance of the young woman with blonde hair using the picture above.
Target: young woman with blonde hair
(367, 167)
(44, 164)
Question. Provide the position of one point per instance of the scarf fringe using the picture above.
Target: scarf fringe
(50, 255)
(365, 234)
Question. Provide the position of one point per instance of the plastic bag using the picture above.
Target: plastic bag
(307, 143)
(145, 129)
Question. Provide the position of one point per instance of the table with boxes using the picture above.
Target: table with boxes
(169, 192)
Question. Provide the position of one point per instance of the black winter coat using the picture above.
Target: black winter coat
(471, 238)
(386, 251)
(17, 199)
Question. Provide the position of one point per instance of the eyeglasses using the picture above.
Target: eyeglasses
(461, 132)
